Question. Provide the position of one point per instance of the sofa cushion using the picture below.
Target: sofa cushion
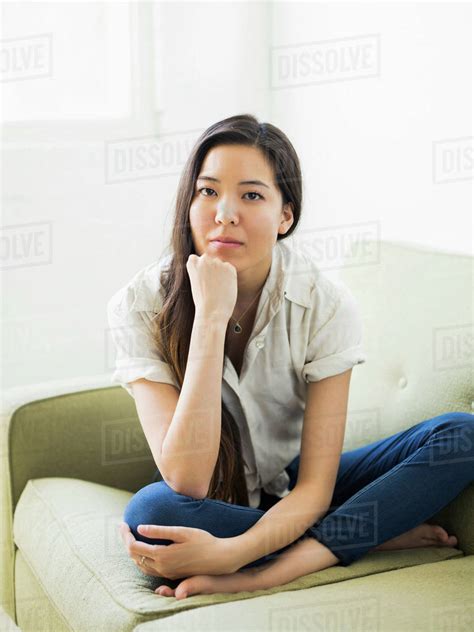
(34, 610)
(427, 598)
(6, 623)
(67, 532)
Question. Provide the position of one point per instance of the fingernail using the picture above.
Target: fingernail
(142, 527)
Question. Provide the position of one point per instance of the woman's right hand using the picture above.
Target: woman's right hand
(213, 285)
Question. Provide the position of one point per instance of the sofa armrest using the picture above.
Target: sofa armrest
(458, 519)
(83, 428)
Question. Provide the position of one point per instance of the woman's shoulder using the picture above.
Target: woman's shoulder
(143, 291)
(307, 284)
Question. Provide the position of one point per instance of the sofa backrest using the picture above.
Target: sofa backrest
(416, 305)
(93, 435)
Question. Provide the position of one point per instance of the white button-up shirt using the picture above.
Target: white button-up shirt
(307, 327)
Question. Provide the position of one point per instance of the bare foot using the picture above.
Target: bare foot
(304, 557)
(210, 584)
(423, 535)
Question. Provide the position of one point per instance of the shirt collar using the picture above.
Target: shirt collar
(290, 275)
(298, 280)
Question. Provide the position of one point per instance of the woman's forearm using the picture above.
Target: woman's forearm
(281, 525)
(191, 446)
(302, 558)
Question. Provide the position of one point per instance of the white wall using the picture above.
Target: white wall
(80, 212)
(368, 133)
(97, 218)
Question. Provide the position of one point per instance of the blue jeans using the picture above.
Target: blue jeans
(382, 490)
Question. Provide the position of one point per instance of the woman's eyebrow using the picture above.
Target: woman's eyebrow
(257, 182)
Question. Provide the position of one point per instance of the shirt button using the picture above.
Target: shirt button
(260, 344)
(402, 382)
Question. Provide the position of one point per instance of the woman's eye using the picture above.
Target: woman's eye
(205, 189)
(249, 193)
(255, 193)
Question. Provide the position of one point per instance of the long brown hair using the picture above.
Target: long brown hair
(173, 325)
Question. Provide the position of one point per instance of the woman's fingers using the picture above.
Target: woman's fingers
(127, 535)
(177, 534)
(142, 548)
(136, 547)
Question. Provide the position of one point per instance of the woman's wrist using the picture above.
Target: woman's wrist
(231, 562)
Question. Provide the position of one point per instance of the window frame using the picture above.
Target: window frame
(143, 116)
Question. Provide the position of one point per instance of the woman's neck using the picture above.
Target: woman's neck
(250, 282)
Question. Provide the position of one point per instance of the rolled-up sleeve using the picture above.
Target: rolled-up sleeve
(337, 345)
(136, 355)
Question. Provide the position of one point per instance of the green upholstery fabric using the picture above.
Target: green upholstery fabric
(6, 623)
(77, 554)
(35, 610)
(92, 435)
(77, 428)
(429, 598)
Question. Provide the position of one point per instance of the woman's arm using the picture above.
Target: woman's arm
(302, 558)
(281, 525)
(321, 446)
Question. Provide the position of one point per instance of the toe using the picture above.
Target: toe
(165, 591)
(185, 589)
(196, 585)
(440, 534)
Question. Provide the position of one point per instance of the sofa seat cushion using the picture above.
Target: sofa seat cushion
(67, 531)
(427, 598)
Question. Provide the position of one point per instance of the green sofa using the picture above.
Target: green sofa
(73, 453)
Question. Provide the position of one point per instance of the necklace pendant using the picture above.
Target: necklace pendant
(237, 328)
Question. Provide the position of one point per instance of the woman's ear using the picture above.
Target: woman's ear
(287, 217)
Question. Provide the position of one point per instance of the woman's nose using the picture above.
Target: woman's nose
(225, 210)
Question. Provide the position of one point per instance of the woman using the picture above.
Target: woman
(238, 356)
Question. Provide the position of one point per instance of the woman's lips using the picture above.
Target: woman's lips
(225, 244)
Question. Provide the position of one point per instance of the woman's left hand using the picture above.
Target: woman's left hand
(193, 552)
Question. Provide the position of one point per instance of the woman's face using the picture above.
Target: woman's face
(226, 203)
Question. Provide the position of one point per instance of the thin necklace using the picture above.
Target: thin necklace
(237, 328)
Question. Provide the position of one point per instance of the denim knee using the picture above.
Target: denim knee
(455, 437)
(157, 503)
